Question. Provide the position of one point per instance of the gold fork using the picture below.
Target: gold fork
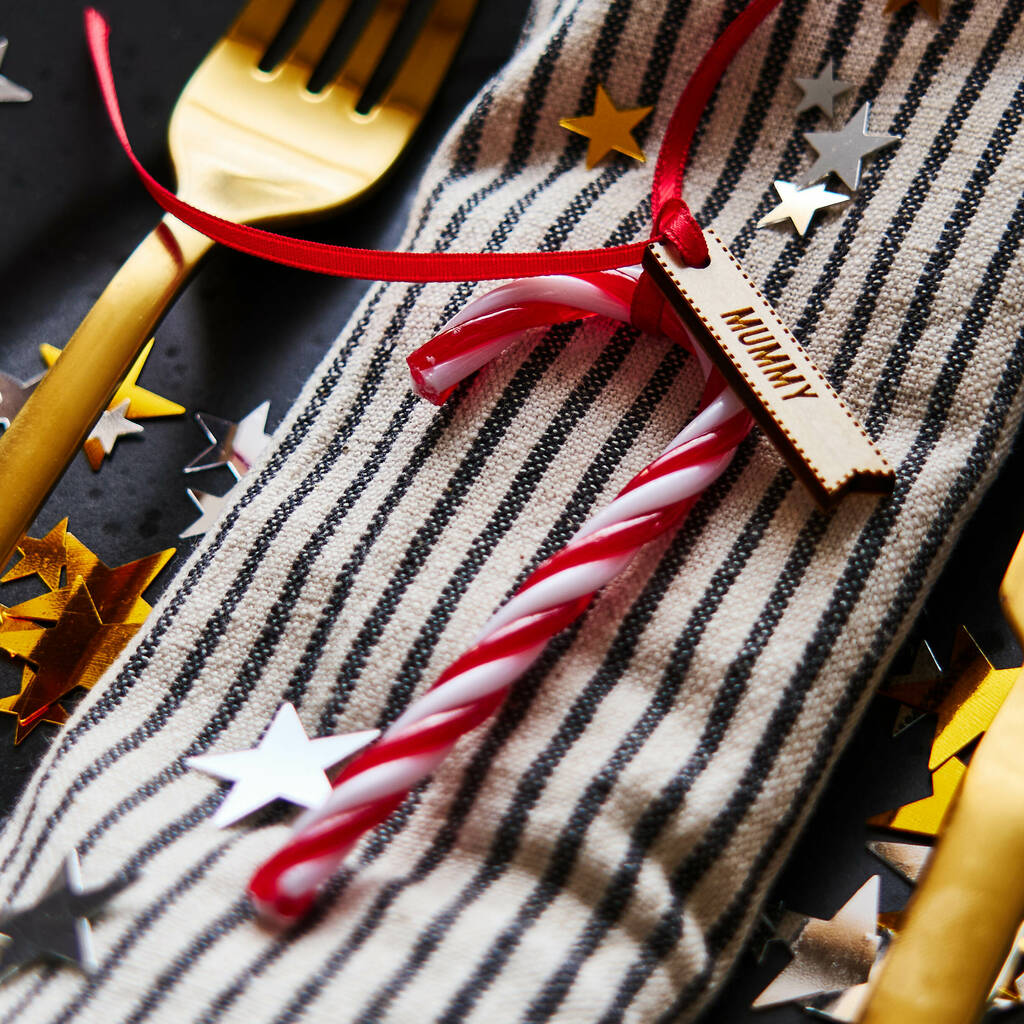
(248, 145)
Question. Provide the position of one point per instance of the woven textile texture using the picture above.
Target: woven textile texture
(599, 851)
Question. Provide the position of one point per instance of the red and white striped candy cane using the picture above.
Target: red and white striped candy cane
(471, 689)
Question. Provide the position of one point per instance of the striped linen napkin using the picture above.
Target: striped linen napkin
(599, 851)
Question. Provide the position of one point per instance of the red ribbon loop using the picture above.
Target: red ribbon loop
(677, 225)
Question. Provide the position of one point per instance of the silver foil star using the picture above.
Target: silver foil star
(841, 152)
(906, 859)
(285, 765)
(821, 92)
(830, 956)
(112, 424)
(57, 926)
(9, 92)
(800, 204)
(235, 445)
(209, 505)
(14, 393)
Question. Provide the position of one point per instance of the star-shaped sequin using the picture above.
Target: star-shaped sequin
(800, 204)
(53, 715)
(209, 505)
(112, 424)
(9, 92)
(822, 91)
(931, 7)
(13, 395)
(142, 404)
(75, 651)
(842, 152)
(966, 697)
(44, 557)
(830, 956)
(235, 445)
(285, 765)
(117, 592)
(56, 927)
(608, 128)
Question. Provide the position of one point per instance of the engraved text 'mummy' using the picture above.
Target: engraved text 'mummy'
(767, 352)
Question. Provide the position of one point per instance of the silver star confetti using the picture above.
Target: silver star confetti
(235, 445)
(821, 92)
(286, 765)
(13, 395)
(57, 926)
(926, 668)
(112, 424)
(906, 859)
(830, 956)
(9, 92)
(800, 204)
(209, 505)
(841, 152)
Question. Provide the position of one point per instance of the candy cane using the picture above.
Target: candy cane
(472, 688)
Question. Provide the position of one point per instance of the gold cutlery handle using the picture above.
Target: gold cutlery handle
(967, 909)
(962, 918)
(58, 416)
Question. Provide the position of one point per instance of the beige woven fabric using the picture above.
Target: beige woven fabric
(599, 852)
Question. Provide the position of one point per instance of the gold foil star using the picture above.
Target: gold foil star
(54, 714)
(931, 7)
(608, 128)
(142, 404)
(116, 592)
(966, 698)
(75, 651)
(44, 557)
(925, 816)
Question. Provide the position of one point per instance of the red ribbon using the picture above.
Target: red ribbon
(673, 221)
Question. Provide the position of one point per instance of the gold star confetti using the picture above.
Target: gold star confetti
(72, 634)
(608, 128)
(142, 404)
(117, 592)
(925, 816)
(13, 705)
(930, 7)
(965, 698)
(75, 651)
(44, 557)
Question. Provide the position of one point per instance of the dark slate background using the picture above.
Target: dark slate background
(71, 210)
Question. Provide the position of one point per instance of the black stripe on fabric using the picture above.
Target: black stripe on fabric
(847, 592)
(116, 691)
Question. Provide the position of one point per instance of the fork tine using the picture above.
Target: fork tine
(429, 57)
(259, 22)
(369, 48)
(317, 35)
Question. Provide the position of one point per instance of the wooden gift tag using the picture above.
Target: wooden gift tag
(787, 394)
